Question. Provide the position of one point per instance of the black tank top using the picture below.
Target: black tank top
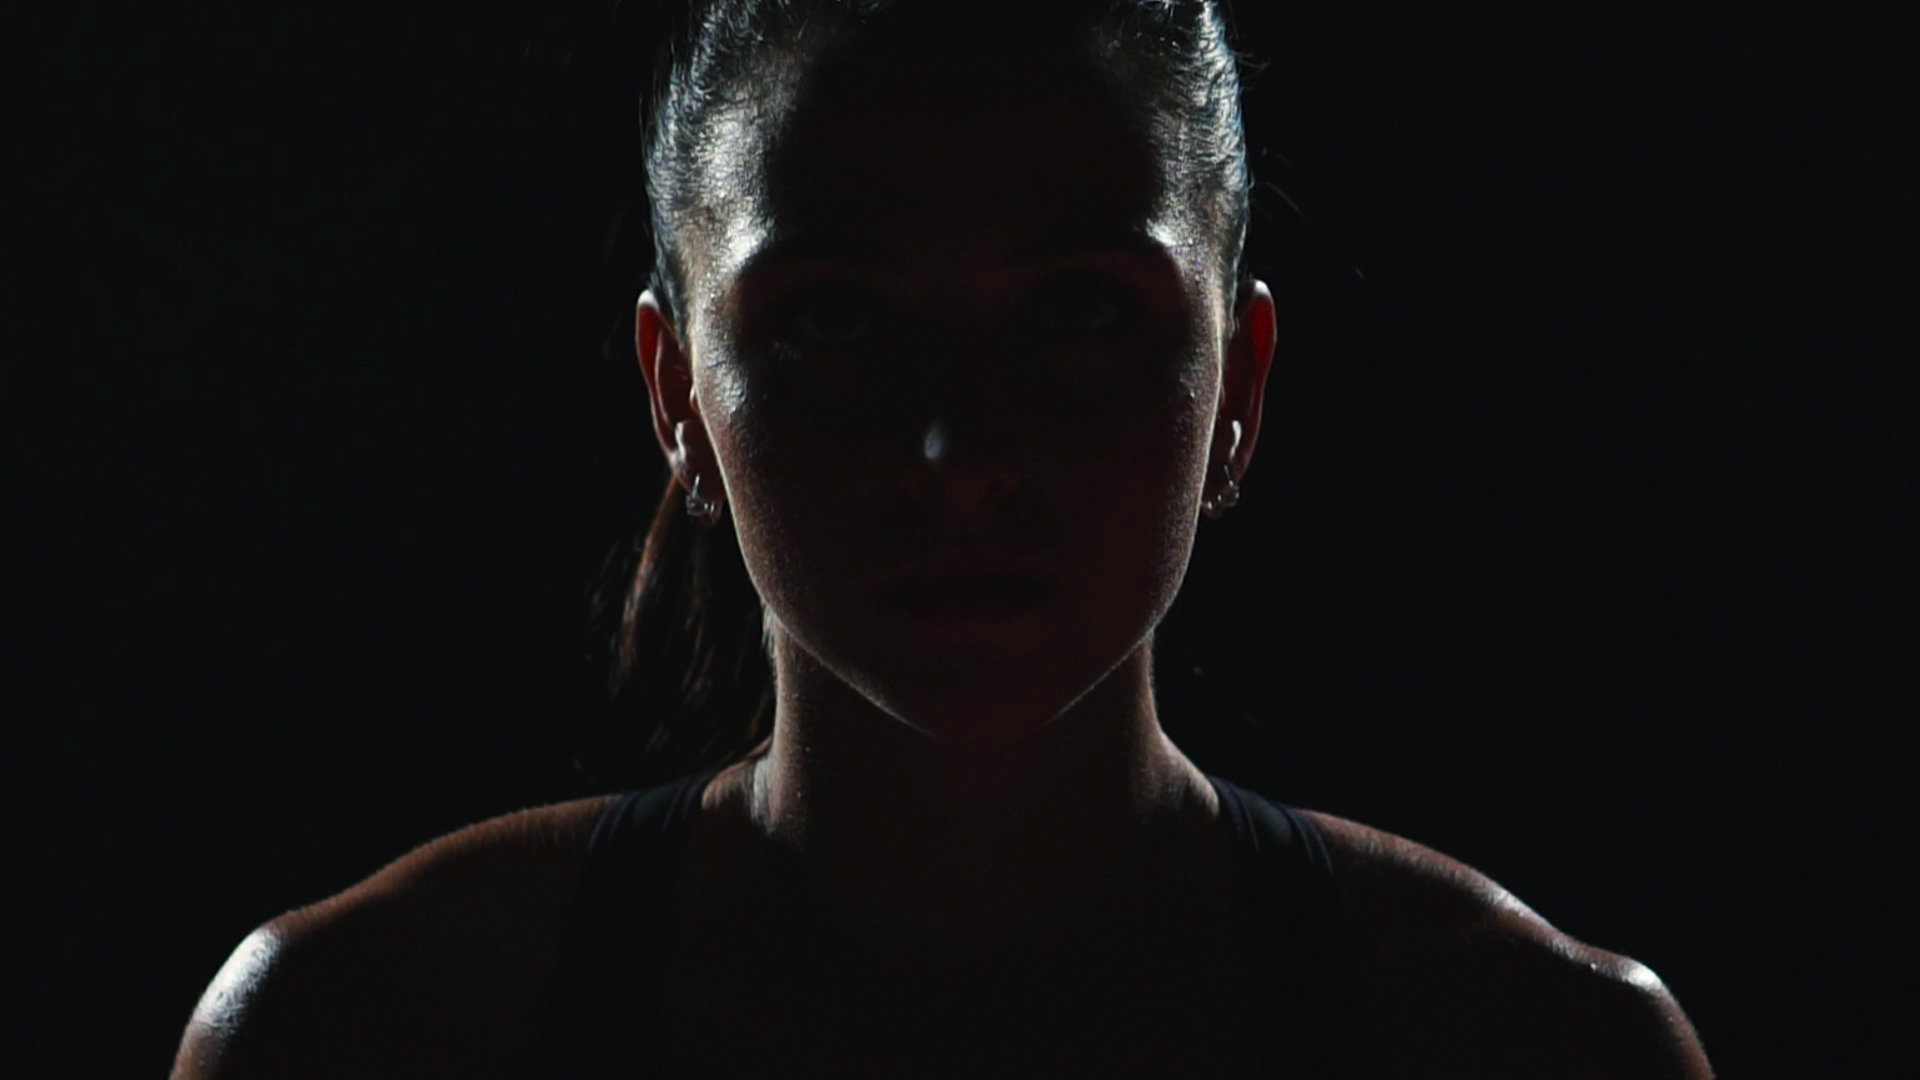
(603, 1012)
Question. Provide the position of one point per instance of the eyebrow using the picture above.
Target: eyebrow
(1131, 238)
(1053, 245)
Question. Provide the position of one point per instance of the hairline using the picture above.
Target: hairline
(1208, 206)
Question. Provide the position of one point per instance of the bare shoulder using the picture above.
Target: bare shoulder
(435, 965)
(1467, 980)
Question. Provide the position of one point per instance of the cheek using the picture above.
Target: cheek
(791, 495)
(1135, 488)
(1167, 449)
(1152, 443)
(1143, 493)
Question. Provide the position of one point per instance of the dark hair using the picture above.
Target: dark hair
(690, 682)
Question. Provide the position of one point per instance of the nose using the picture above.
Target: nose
(959, 477)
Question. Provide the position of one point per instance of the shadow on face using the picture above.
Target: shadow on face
(955, 338)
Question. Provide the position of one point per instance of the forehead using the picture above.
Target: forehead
(953, 150)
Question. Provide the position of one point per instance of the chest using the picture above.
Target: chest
(738, 1012)
(1166, 992)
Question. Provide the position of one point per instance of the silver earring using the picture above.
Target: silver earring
(699, 508)
(1228, 496)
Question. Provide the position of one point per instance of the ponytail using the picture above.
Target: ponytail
(689, 683)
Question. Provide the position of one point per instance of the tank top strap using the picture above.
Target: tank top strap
(1318, 1023)
(603, 1015)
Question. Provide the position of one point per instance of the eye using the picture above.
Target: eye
(1082, 306)
(830, 317)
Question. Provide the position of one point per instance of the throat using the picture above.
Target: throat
(965, 891)
(953, 905)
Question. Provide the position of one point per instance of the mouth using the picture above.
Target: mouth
(968, 597)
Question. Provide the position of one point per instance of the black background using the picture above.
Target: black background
(1570, 549)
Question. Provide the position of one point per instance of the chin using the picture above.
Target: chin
(978, 684)
(978, 724)
(982, 708)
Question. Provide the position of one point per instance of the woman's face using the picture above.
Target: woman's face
(955, 345)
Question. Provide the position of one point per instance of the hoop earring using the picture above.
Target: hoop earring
(700, 508)
(1228, 497)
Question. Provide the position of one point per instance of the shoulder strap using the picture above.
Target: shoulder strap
(1321, 1025)
(602, 1017)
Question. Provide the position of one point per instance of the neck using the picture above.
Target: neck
(891, 835)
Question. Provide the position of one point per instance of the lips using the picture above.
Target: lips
(978, 595)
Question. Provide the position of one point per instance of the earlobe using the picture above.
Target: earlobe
(1227, 495)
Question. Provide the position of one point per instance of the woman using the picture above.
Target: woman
(948, 331)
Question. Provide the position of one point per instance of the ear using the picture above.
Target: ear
(669, 375)
(1243, 383)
